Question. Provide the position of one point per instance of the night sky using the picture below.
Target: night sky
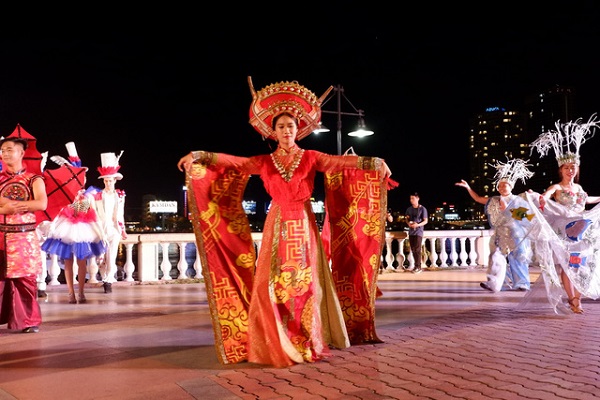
(159, 93)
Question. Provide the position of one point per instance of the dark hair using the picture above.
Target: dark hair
(276, 118)
(15, 139)
(415, 194)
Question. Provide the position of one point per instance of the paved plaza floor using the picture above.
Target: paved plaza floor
(444, 338)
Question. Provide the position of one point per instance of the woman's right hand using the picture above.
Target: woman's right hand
(462, 183)
(542, 201)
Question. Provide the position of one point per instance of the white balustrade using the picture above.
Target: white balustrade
(153, 253)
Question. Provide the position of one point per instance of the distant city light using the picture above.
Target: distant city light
(318, 207)
(249, 206)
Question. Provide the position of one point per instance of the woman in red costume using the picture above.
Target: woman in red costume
(284, 308)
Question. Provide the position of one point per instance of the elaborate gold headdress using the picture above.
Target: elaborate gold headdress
(566, 140)
(285, 97)
(511, 171)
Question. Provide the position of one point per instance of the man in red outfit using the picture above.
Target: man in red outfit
(22, 193)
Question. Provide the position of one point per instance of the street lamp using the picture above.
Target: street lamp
(359, 132)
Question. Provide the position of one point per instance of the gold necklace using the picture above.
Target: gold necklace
(284, 152)
(287, 174)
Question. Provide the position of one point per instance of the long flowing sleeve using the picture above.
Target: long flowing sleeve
(226, 250)
(356, 202)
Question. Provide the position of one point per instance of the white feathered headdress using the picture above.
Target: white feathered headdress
(511, 171)
(566, 140)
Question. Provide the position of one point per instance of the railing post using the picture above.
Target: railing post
(129, 267)
(165, 265)
(198, 266)
(182, 265)
(473, 253)
(433, 257)
(483, 248)
(41, 278)
(54, 270)
(148, 258)
(463, 251)
(93, 270)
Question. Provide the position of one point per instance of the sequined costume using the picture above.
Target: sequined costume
(283, 309)
(76, 231)
(20, 257)
(566, 235)
(510, 268)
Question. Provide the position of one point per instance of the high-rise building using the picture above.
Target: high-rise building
(543, 111)
(496, 135)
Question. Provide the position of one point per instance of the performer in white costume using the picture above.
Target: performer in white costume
(110, 207)
(565, 234)
(509, 217)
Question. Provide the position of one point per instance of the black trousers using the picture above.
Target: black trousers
(415, 248)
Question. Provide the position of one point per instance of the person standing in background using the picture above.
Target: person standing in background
(110, 208)
(22, 193)
(416, 218)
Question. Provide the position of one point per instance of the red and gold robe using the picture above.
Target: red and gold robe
(283, 308)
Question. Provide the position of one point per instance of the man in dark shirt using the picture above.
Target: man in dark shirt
(416, 218)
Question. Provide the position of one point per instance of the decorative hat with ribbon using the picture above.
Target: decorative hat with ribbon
(73, 160)
(110, 166)
(511, 171)
(566, 140)
(285, 97)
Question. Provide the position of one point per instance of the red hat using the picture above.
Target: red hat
(285, 97)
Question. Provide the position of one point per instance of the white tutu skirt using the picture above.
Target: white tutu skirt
(79, 236)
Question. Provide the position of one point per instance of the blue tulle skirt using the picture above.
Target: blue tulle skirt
(81, 250)
(74, 233)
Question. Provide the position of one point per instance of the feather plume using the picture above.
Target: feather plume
(512, 170)
(60, 160)
(566, 140)
(43, 161)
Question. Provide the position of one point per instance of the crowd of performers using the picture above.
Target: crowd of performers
(306, 291)
(49, 211)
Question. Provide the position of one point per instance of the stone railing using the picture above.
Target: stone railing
(142, 257)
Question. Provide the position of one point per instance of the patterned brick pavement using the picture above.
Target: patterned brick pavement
(444, 338)
(447, 339)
